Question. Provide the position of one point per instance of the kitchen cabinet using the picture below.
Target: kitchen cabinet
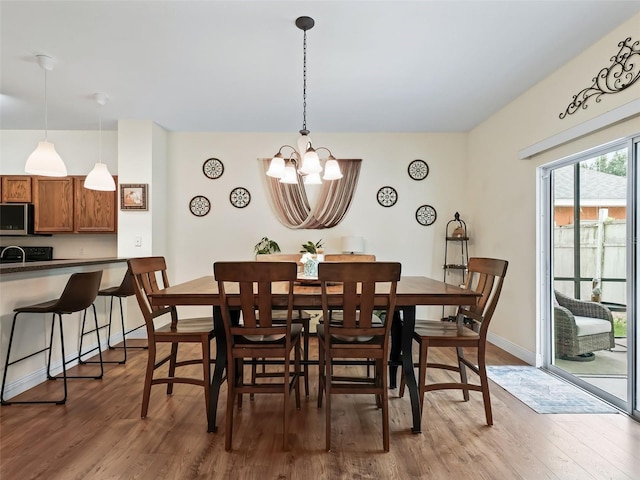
(94, 211)
(53, 204)
(62, 204)
(16, 189)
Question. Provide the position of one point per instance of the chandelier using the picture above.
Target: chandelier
(304, 160)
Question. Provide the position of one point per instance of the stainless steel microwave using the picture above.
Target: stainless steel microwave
(16, 218)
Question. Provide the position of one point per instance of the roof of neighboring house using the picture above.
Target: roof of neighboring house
(607, 189)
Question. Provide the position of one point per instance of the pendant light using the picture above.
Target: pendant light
(99, 178)
(306, 156)
(45, 160)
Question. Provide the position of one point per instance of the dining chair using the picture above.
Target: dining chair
(357, 336)
(300, 316)
(150, 276)
(486, 276)
(256, 335)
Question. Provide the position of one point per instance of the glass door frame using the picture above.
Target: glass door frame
(544, 331)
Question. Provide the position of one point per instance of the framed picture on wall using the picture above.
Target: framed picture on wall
(133, 196)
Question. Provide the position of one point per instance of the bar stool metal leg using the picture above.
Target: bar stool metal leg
(81, 354)
(49, 347)
(124, 346)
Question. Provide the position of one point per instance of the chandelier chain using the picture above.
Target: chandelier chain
(304, 82)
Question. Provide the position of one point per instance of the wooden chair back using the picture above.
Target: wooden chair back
(485, 275)
(358, 280)
(149, 276)
(255, 282)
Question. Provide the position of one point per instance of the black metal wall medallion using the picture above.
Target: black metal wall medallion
(426, 215)
(240, 197)
(387, 196)
(418, 169)
(200, 206)
(623, 72)
(213, 168)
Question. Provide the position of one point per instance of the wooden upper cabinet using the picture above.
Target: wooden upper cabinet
(53, 199)
(16, 189)
(95, 211)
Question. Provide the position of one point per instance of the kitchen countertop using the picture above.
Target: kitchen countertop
(18, 267)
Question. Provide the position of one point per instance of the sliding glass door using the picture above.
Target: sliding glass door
(591, 205)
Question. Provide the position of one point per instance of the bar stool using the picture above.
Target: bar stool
(78, 295)
(124, 290)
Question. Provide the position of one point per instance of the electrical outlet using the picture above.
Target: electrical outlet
(138, 241)
(82, 252)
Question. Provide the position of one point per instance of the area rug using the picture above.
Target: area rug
(544, 392)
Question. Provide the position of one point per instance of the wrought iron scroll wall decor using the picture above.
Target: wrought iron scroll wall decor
(623, 72)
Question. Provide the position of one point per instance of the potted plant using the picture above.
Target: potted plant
(266, 245)
(313, 248)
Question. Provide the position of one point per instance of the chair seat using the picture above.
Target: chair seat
(347, 339)
(447, 330)
(591, 326)
(114, 292)
(185, 326)
(44, 307)
(296, 331)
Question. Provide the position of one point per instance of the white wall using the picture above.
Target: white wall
(501, 195)
(390, 233)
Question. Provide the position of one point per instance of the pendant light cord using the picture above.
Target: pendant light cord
(46, 112)
(100, 134)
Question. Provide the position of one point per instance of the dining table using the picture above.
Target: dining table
(411, 292)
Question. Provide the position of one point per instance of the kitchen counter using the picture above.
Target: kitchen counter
(18, 267)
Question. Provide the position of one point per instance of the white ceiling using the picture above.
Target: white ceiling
(234, 66)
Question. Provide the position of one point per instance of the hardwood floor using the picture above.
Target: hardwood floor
(99, 434)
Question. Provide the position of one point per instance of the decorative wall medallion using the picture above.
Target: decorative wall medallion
(200, 206)
(213, 168)
(418, 169)
(623, 72)
(240, 197)
(387, 196)
(426, 215)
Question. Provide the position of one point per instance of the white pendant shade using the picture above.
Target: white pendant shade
(310, 163)
(290, 175)
(276, 167)
(313, 179)
(45, 161)
(332, 170)
(100, 179)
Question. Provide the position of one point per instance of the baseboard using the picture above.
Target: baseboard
(515, 350)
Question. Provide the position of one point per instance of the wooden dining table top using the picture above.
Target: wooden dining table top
(411, 291)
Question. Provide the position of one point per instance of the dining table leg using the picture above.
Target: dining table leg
(221, 363)
(401, 350)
